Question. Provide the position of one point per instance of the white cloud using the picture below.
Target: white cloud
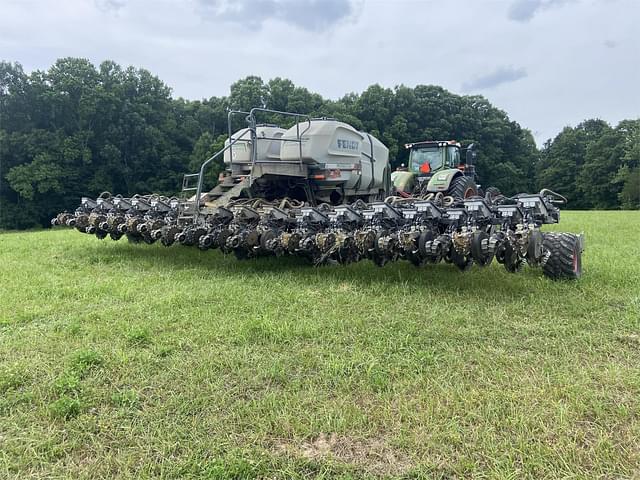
(312, 15)
(571, 71)
(499, 76)
(525, 10)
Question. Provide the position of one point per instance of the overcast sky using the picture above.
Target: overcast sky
(548, 63)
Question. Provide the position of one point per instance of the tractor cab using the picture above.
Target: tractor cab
(428, 158)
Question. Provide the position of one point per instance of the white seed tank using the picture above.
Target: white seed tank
(356, 160)
(267, 147)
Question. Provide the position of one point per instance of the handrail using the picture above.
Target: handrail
(251, 120)
(230, 114)
(251, 117)
(203, 166)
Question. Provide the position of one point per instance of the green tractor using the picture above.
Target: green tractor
(438, 167)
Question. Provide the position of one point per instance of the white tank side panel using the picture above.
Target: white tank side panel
(381, 153)
(324, 141)
(241, 152)
(346, 142)
(266, 149)
(273, 150)
(339, 145)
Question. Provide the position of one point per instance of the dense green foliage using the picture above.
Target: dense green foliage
(594, 165)
(138, 361)
(77, 129)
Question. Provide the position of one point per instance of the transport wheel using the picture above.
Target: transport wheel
(564, 260)
(462, 187)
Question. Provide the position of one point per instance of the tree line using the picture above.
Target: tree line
(77, 129)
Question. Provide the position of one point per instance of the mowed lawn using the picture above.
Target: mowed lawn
(120, 360)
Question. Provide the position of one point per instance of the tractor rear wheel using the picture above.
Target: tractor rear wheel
(564, 259)
(463, 187)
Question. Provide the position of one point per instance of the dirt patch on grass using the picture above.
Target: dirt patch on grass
(372, 455)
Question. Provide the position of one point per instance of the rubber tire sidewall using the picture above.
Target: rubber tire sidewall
(460, 185)
(563, 250)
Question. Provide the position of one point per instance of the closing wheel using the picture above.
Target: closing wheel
(293, 243)
(426, 236)
(440, 249)
(168, 235)
(205, 242)
(535, 248)
(415, 259)
(241, 253)
(379, 255)
(147, 238)
(134, 238)
(223, 236)
(480, 251)
(463, 262)
(512, 261)
(266, 237)
(564, 260)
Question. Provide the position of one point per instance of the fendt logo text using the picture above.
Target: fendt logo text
(348, 144)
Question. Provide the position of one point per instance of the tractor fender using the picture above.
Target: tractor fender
(403, 181)
(441, 180)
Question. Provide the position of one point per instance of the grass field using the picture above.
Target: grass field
(121, 360)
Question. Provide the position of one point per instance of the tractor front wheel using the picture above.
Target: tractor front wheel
(463, 187)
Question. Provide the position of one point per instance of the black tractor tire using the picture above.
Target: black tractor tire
(462, 187)
(564, 261)
(491, 194)
(493, 191)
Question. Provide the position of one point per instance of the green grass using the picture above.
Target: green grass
(121, 360)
